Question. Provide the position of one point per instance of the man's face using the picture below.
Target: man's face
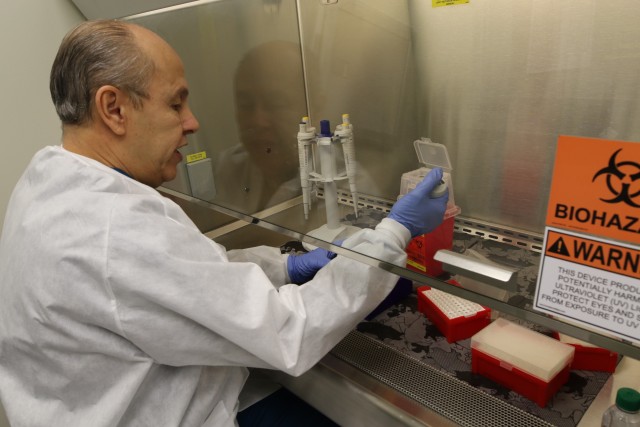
(161, 126)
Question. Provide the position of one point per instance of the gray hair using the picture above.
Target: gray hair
(92, 55)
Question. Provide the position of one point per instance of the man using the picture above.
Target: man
(114, 308)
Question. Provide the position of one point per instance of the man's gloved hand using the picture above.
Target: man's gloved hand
(418, 212)
(302, 268)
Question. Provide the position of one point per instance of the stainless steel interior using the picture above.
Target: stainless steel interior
(496, 82)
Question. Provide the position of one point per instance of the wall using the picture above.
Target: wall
(359, 60)
(496, 82)
(30, 32)
(501, 80)
(29, 36)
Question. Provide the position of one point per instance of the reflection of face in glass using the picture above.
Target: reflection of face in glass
(270, 101)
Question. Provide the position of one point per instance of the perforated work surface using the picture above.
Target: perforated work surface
(436, 390)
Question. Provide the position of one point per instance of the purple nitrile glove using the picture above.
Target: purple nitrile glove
(417, 210)
(302, 268)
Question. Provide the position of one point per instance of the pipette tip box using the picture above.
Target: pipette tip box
(525, 361)
(589, 357)
(456, 318)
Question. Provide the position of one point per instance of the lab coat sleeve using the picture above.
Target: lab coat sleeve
(344, 292)
(178, 298)
(272, 262)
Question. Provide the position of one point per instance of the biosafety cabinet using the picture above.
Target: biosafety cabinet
(524, 96)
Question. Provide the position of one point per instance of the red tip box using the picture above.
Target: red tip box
(589, 357)
(527, 362)
(455, 317)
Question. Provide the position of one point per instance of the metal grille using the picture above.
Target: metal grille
(510, 236)
(442, 393)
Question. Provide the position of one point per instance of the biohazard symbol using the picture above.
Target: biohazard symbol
(559, 247)
(621, 180)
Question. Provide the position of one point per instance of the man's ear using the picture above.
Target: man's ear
(111, 105)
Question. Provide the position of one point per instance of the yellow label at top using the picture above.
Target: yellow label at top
(438, 3)
(196, 156)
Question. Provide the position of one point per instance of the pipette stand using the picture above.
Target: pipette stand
(324, 147)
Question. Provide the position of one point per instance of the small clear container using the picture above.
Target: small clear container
(431, 155)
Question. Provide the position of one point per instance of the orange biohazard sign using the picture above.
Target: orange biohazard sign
(596, 188)
(594, 253)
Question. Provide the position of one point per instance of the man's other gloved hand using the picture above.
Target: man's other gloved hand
(302, 268)
(417, 211)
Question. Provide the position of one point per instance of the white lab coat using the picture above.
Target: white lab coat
(116, 310)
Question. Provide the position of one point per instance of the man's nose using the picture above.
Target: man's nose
(190, 124)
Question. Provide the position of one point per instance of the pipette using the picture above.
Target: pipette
(344, 132)
(306, 135)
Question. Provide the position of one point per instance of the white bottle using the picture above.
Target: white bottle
(625, 413)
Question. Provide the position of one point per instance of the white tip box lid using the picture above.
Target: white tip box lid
(432, 155)
(530, 351)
